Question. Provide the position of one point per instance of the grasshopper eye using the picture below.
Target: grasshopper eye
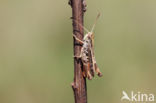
(92, 36)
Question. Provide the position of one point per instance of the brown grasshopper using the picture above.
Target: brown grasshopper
(87, 53)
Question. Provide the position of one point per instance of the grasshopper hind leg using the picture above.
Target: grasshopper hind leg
(97, 70)
(88, 73)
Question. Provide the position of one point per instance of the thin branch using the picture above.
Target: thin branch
(79, 84)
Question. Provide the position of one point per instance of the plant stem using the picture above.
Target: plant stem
(79, 84)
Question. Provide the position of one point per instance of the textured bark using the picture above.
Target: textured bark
(79, 84)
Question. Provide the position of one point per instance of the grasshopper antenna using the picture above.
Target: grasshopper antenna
(95, 22)
(81, 26)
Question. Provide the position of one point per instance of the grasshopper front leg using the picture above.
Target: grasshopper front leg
(80, 41)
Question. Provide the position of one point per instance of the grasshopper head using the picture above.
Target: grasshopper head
(91, 35)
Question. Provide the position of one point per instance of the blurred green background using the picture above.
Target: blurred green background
(36, 50)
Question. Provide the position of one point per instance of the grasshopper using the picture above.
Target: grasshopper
(87, 53)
